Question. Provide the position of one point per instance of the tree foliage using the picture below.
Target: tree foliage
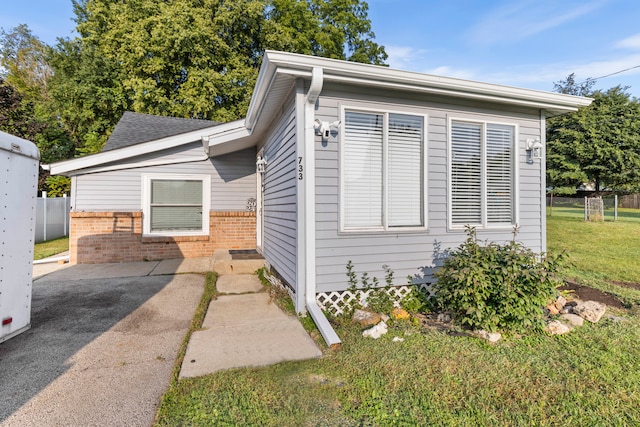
(599, 144)
(189, 58)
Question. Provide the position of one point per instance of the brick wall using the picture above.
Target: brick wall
(101, 237)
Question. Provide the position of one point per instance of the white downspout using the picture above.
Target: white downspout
(309, 183)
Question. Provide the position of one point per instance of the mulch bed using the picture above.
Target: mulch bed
(586, 293)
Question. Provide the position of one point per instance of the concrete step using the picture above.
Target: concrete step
(224, 264)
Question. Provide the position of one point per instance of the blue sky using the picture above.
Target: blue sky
(524, 43)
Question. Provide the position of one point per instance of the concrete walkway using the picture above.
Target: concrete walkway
(244, 328)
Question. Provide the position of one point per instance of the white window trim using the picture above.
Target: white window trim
(385, 227)
(516, 174)
(146, 203)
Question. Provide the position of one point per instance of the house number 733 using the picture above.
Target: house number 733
(300, 169)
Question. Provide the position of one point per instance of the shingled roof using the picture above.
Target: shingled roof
(135, 128)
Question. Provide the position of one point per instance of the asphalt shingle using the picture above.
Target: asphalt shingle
(135, 128)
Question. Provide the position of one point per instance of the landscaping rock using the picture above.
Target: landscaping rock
(365, 318)
(556, 327)
(616, 319)
(397, 339)
(400, 314)
(560, 302)
(566, 310)
(377, 331)
(492, 337)
(574, 319)
(590, 310)
(443, 318)
(551, 307)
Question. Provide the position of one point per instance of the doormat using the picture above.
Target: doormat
(244, 254)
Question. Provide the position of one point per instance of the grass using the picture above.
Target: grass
(601, 253)
(50, 247)
(588, 377)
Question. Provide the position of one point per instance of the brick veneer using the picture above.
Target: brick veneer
(100, 237)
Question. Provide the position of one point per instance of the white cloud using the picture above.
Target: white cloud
(632, 42)
(447, 71)
(520, 20)
(405, 57)
(542, 76)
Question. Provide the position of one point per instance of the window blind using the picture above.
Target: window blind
(500, 174)
(362, 170)
(176, 205)
(466, 173)
(405, 176)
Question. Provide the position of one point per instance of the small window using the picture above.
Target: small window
(176, 205)
(382, 171)
(482, 171)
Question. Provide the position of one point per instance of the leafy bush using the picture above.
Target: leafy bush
(415, 301)
(496, 286)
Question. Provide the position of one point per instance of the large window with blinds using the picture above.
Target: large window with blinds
(382, 171)
(482, 174)
(176, 205)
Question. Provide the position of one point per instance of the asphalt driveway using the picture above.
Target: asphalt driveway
(101, 347)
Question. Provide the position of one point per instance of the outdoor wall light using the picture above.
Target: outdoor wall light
(261, 165)
(324, 129)
(534, 150)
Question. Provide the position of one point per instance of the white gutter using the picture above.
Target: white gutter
(308, 163)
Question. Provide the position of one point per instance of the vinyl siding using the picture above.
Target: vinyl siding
(232, 181)
(279, 238)
(413, 253)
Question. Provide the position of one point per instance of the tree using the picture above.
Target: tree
(599, 144)
(25, 104)
(190, 58)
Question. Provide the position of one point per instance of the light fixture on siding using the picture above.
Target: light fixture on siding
(261, 165)
(534, 150)
(325, 129)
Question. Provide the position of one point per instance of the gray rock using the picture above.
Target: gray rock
(443, 318)
(615, 319)
(560, 302)
(557, 328)
(376, 332)
(492, 337)
(574, 319)
(590, 310)
(566, 310)
(365, 318)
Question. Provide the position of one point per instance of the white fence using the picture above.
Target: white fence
(52, 217)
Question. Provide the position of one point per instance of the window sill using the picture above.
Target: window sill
(379, 231)
(150, 238)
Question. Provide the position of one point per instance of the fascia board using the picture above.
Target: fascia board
(66, 166)
(375, 75)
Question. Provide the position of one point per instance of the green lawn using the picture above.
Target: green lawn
(50, 247)
(588, 377)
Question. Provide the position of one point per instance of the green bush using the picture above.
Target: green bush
(496, 287)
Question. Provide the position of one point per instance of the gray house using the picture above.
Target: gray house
(342, 161)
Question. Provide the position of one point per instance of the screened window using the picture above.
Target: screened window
(176, 205)
(382, 171)
(482, 174)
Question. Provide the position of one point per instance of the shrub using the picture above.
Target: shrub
(496, 286)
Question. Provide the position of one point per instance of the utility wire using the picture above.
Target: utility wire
(609, 75)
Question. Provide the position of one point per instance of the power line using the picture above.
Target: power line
(609, 75)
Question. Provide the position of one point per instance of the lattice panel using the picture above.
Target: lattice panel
(335, 302)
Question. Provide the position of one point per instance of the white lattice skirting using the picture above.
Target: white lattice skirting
(335, 302)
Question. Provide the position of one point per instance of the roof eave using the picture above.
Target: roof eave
(68, 167)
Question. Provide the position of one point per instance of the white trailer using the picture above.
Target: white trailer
(19, 160)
